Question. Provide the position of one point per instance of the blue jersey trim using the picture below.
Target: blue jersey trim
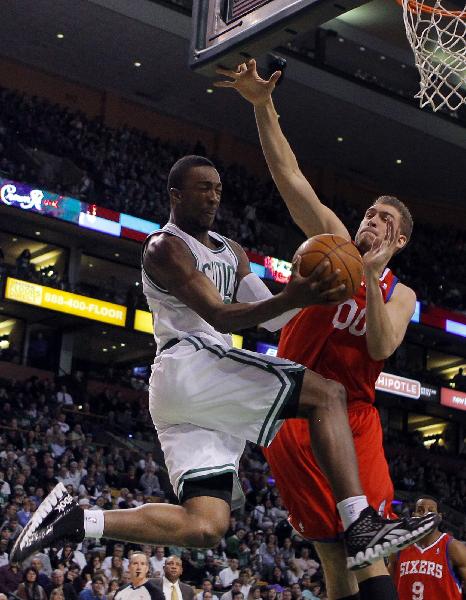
(392, 287)
(450, 566)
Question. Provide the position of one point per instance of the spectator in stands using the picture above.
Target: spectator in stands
(96, 591)
(69, 555)
(207, 588)
(3, 553)
(10, 578)
(157, 561)
(58, 582)
(235, 588)
(116, 569)
(24, 268)
(118, 551)
(227, 575)
(30, 589)
(64, 398)
(149, 482)
(306, 564)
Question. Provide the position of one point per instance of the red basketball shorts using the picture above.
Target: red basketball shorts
(304, 488)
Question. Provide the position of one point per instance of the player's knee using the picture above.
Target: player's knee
(209, 534)
(318, 392)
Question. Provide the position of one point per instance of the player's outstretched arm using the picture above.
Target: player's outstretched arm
(169, 263)
(457, 556)
(305, 207)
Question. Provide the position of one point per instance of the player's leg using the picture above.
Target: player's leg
(323, 402)
(368, 536)
(339, 582)
(375, 582)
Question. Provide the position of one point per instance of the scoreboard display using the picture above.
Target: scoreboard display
(227, 32)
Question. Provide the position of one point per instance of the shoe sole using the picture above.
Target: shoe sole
(379, 551)
(44, 509)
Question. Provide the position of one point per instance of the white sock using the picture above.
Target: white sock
(351, 508)
(94, 523)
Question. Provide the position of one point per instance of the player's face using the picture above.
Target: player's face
(196, 203)
(138, 567)
(374, 227)
(424, 506)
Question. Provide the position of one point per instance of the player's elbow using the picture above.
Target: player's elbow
(381, 353)
(216, 318)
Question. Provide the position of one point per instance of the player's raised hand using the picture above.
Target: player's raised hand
(246, 80)
(316, 288)
(375, 259)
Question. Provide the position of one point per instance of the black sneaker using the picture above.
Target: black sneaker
(59, 518)
(371, 537)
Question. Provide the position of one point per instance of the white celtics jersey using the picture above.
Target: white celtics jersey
(172, 319)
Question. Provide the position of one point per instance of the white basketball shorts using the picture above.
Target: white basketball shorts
(206, 400)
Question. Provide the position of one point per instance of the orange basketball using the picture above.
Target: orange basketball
(342, 254)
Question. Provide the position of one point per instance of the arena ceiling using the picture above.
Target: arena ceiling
(104, 38)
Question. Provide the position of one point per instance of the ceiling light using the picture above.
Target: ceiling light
(104, 350)
(14, 239)
(122, 344)
(362, 48)
(403, 66)
(60, 36)
(104, 333)
(113, 347)
(209, 90)
(37, 232)
(91, 265)
(382, 57)
(341, 40)
(137, 64)
(116, 255)
(137, 283)
(398, 161)
(339, 139)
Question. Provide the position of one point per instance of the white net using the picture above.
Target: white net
(438, 38)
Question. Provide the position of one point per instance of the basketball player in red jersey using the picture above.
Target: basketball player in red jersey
(347, 342)
(434, 567)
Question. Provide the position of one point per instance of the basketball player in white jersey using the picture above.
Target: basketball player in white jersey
(207, 398)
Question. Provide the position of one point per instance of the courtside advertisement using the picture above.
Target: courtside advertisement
(66, 302)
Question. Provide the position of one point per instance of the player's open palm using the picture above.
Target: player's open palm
(316, 288)
(375, 259)
(249, 83)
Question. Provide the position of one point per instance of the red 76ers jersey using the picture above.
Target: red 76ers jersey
(331, 340)
(426, 573)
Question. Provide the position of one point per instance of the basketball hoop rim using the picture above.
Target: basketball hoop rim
(415, 7)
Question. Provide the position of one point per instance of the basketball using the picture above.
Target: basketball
(341, 253)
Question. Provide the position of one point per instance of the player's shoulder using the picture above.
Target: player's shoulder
(457, 552)
(403, 293)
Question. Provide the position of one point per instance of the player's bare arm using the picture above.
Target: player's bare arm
(307, 211)
(386, 324)
(457, 556)
(170, 264)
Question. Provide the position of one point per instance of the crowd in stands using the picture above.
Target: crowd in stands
(126, 170)
(52, 431)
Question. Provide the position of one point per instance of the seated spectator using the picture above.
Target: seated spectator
(30, 589)
(96, 591)
(118, 550)
(64, 398)
(306, 565)
(10, 578)
(3, 553)
(207, 588)
(115, 571)
(226, 576)
(69, 555)
(93, 565)
(58, 582)
(235, 588)
(157, 561)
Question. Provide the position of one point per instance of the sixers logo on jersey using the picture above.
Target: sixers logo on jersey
(421, 567)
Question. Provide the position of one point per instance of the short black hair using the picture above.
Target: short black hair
(427, 497)
(182, 166)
